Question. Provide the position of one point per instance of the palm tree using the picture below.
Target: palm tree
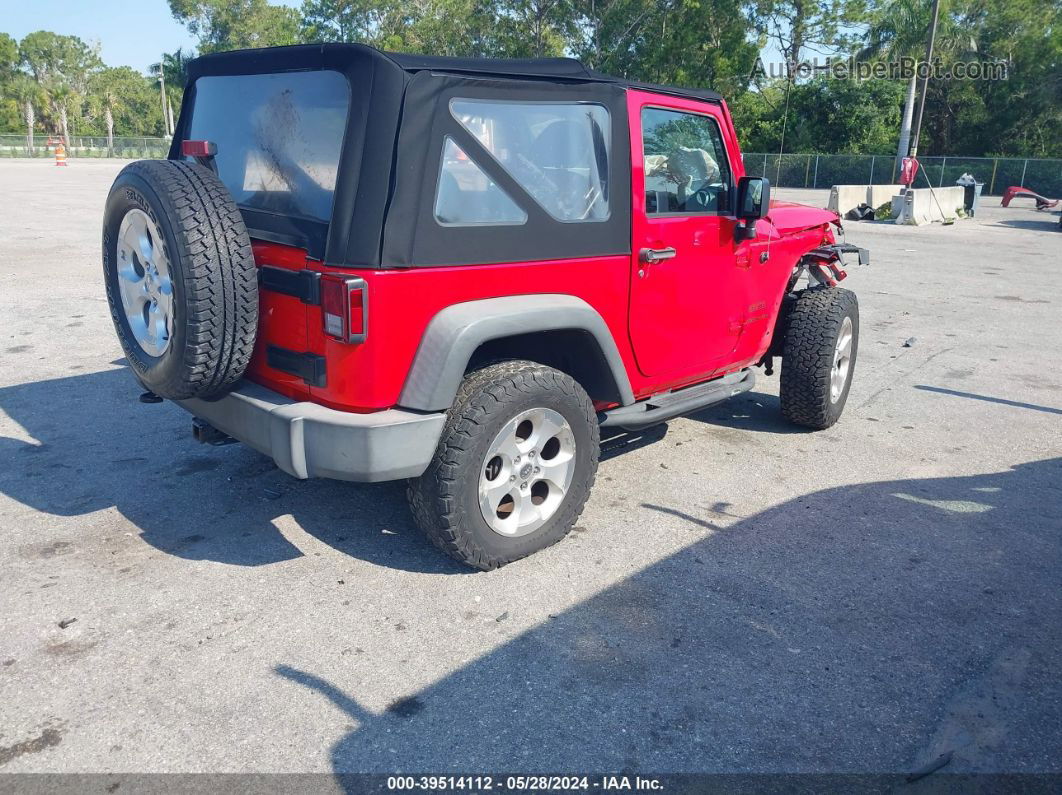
(158, 71)
(61, 96)
(106, 97)
(898, 31)
(173, 68)
(27, 94)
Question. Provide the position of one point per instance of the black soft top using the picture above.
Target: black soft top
(274, 59)
(389, 164)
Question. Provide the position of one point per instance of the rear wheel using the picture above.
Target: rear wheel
(514, 466)
(819, 355)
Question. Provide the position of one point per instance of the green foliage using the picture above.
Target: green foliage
(9, 57)
(507, 29)
(825, 116)
(1021, 115)
(698, 43)
(132, 99)
(850, 116)
(802, 27)
(59, 60)
(237, 24)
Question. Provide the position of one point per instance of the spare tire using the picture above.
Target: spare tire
(181, 279)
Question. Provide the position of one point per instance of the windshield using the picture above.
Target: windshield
(278, 137)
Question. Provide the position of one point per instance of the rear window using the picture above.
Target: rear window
(278, 136)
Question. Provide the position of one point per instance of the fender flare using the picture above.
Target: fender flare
(455, 333)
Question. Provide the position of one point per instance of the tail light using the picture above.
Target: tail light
(199, 148)
(344, 307)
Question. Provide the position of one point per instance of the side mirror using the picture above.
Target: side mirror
(753, 198)
(753, 202)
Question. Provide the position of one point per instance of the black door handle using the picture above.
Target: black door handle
(654, 255)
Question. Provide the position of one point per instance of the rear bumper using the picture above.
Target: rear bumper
(307, 440)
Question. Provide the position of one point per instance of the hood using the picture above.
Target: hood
(789, 217)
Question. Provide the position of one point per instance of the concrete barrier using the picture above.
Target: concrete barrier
(877, 195)
(847, 197)
(924, 206)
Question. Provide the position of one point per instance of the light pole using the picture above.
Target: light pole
(925, 80)
(165, 104)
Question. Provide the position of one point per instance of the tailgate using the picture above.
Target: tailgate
(281, 359)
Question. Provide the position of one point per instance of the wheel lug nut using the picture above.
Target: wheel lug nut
(536, 470)
(512, 478)
(523, 485)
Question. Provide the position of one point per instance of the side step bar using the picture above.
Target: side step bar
(668, 405)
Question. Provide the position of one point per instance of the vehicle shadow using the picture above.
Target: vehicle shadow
(863, 629)
(97, 446)
(750, 411)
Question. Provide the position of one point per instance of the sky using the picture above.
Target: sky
(130, 32)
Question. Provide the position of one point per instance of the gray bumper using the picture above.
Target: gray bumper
(307, 440)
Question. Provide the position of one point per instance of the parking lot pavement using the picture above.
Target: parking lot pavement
(737, 596)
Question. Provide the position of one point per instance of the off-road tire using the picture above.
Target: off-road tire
(444, 500)
(813, 326)
(215, 288)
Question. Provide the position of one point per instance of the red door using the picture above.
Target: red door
(689, 279)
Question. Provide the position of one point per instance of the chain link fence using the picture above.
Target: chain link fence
(784, 171)
(13, 145)
(822, 171)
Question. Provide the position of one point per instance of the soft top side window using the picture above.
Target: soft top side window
(557, 152)
(686, 167)
(466, 196)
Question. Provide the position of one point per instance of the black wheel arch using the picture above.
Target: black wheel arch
(560, 331)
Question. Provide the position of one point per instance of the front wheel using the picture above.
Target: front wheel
(513, 468)
(819, 356)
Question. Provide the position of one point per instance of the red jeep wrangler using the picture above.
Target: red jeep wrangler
(372, 266)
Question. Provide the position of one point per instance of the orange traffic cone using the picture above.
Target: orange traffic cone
(60, 155)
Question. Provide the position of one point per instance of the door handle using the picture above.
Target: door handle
(654, 255)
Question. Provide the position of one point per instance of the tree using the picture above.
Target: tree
(237, 24)
(61, 66)
(507, 29)
(28, 95)
(62, 96)
(1019, 115)
(174, 66)
(898, 30)
(10, 107)
(825, 115)
(116, 93)
(172, 74)
(365, 21)
(844, 116)
(707, 41)
(823, 26)
(9, 58)
(533, 28)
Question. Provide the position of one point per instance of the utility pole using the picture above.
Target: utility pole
(165, 104)
(925, 81)
(905, 125)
